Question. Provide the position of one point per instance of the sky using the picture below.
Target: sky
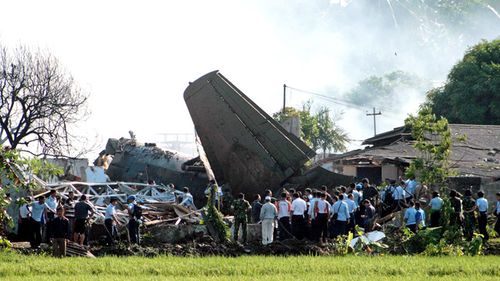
(135, 58)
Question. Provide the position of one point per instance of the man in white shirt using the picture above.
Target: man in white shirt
(322, 211)
(268, 214)
(299, 207)
(110, 221)
(482, 220)
(436, 205)
(284, 210)
(24, 221)
(311, 213)
(497, 213)
(309, 194)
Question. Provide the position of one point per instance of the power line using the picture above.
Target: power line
(340, 101)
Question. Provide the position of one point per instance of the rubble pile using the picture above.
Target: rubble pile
(206, 246)
(159, 202)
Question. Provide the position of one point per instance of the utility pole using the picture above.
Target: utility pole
(284, 98)
(374, 114)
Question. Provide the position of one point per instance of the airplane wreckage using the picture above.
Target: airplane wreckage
(240, 145)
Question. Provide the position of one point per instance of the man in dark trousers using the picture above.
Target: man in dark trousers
(111, 221)
(24, 221)
(284, 209)
(60, 232)
(135, 220)
(256, 206)
(38, 218)
(482, 208)
(299, 208)
(83, 211)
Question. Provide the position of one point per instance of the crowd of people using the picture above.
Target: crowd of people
(54, 221)
(320, 215)
(315, 214)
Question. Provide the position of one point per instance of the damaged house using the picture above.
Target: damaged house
(475, 155)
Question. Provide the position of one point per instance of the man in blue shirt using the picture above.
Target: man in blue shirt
(38, 218)
(419, 216)
(52, 204)
(353, 208)
(482, 221)
(340, 216)
(410, 217)
(436, 205)
(411, 188)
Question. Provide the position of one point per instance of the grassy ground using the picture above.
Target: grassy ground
(19, 267)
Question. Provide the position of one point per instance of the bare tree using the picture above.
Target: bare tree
(39, 102)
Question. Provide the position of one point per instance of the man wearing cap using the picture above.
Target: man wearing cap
(111, 221)
(268, 214)
(134, 221)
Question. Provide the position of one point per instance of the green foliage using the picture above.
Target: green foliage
(10, 161)
(475, 246)
(318, 130)
(4, 243)
(417, 243)
(42, 168)
(443, 249)
(342, 244)
(214, 218)
(433, 141)
(471, 94)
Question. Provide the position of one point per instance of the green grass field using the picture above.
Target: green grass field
(19, 267)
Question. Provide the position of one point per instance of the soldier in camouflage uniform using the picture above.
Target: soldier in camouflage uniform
(241, 208)
(469, 205)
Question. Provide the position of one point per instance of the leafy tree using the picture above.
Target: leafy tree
(10, 181)
(318, 130)
(471, 94)
(39, 101)
(433, 140)
(330, 136)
